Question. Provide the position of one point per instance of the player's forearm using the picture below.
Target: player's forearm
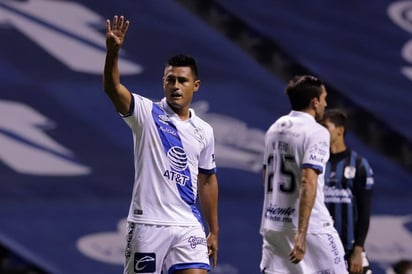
(118, 94)
(364, 204)
(209, 209)
(212, 222)
(111, 75)
(362, 228)
(208, 196)
(306, 202)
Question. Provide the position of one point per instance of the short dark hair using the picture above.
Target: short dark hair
(301, 89)
(182, 60)
(337, 116)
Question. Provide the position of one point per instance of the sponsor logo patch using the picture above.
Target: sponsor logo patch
(144, 262)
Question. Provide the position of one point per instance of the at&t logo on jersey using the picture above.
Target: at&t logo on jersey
(178, 161)
(177, 158)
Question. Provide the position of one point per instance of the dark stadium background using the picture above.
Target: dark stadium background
(66, 157)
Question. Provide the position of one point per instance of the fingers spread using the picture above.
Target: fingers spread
(121, 21)
(126, 26)
(108, 27)
(115, 21)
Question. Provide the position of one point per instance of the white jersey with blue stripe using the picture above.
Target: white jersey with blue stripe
(169, 153)
(293, 142)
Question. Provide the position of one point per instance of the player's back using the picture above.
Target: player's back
(293, 142)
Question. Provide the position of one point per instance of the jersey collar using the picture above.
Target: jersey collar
(171, 112)
(295, 113)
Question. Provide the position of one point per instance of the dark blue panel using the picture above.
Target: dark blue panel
(66, 166)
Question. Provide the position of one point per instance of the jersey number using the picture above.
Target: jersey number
(288, 169)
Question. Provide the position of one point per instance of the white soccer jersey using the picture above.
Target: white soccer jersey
(169, 153)
(294, 141)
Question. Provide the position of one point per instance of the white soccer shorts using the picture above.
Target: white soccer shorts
(324, 254)
(151, 248)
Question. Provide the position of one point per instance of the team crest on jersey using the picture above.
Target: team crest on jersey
(199, 134)
(349, 172)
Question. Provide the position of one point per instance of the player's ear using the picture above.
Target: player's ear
(315, 102)
(163, 81)
(341, 130)
(197, 85)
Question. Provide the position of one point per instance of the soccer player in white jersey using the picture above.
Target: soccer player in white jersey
(297, 230)
(174, 163)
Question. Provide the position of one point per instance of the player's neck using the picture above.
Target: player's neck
(337, 147)
(184, 114)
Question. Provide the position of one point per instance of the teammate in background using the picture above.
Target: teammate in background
(348, 192)
(174, 162)
(297, 229)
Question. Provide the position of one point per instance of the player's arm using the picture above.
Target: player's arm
(307, 195)
(118, 94)
(363, 193)
(208, 198)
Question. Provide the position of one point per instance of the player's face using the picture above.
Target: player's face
(320, 104)
(333, 130)
(179, 84)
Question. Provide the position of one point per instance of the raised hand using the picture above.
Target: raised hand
(116, 33)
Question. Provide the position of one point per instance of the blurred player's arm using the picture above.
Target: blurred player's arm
(208, 198)
(307, 197)
(118, 94)
(363, 194)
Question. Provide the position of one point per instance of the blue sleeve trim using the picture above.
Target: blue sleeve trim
(318, 169)
(207, 171)
(131, 109)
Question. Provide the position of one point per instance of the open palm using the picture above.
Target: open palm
(116, 32)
